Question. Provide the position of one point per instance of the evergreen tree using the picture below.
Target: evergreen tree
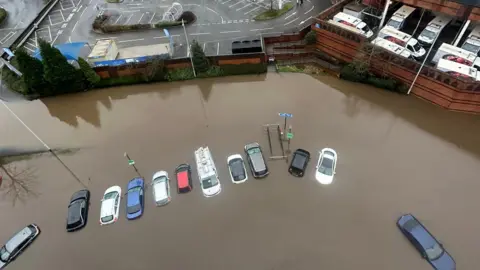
(91, 77)
(62, 76)
(200, 61)
(32, 73)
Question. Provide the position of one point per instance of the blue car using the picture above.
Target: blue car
(135, 198)
(430, 249)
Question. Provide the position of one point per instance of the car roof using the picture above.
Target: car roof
(258, 161)
(74, 212)
(420, 233)
(160, 190)
(107, 208)
(182, 179)
(79, 195)
(299, 160)
(18, 238)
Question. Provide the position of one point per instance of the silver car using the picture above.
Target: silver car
(161, 188)
(257, 163)
(17, 244)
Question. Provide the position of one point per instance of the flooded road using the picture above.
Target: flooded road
(396, 154)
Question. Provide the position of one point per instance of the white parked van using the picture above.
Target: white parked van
(354, 9)
(472, 44)
(454, 54)
(404, 40)
(398, 18)
(458, 70)
(388, 45)
(345, 19)
(433, 29)
(207, 173)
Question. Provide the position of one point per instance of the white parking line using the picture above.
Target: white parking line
(290, 21)
(131, 15)
(140, 18)
(152, 17)
(238, 9)
(263, 29)
(167, 37)
(82, 13)
(199, 34)
(218, 47)
(286, 18)
(223, 3)
(226, 32)
(236, 3)
(28, 49)
(251, 11)
(118, 18)
(130, 40)
(309, 10)
(90, 2)
(204, 46)
(74, 26)
(78, 3)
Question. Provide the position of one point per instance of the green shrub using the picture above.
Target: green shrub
(273, 13)
(385, 83)
(167, 24)
(200, 61)
(349, 73)
(13, 82)
(244, 69)
(126, 80)
(180, 74)
(99, 21)
(188, 17)
(32, 74)
(213, 71)
(311, 37)
(91, 77)
(3, 15)
(289, 69)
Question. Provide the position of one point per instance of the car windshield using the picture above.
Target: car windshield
(110, 195)
(209, 182)
(417, 47)
(470, 47)
(429, 34)
(326, 166)
(134, 189)
(236, 167)
(394, 24)
(365, 29)
(253, 151)
(107, 218)
(434, 252)
(133, 209)
(4, 254)
(299, 161)
(160, 179)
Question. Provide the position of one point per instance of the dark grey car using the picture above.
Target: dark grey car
(255, 158)
(17, 244)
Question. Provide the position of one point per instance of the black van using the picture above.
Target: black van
(299, 162)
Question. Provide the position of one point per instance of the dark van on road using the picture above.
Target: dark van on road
(17, 244)
(257, 163)
(299, 162)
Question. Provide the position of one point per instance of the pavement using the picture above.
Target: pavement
(218, 24)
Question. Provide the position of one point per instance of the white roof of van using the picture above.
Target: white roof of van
(404, 11)
(345, 17)
(447, 65)
(391, 47)
(447, 48)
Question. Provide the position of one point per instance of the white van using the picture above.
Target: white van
(207, 172)
(354, 9)
(454, 54)
(472, 44)
(404, 40)
(458, 70)
(398, 18)
(351, 21)
(433, 29)
(388, 45)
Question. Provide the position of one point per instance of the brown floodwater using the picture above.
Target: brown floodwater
(397, 154)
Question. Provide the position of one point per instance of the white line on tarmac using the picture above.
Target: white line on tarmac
(236, 3)
(70, 39)
(82, 13)
(118, 18)
(141, 17)
(198, 34)
(251, 11)
(90, 2)
(226, 32)
(131, 15)
(309, 10)
(286, 18)
(238, 9)
(130, 40)
(261, 29)
(75, 26)
(204, 46)
(167, 37)
(223, 3)
(290, 21)
(218, 47)
(28, 49)
(152, 17)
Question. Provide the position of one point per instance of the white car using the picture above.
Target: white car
(161, 188)
(325, 170)
(236, 166)
(110, 205)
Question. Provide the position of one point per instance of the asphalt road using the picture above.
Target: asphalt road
(20, 14)
(218, 23)
(396, 155)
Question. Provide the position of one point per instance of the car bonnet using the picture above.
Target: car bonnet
(160, 188)
(107, 208)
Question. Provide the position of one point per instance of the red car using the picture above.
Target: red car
(183, 174)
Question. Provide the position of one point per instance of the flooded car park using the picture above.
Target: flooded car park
(397, 155)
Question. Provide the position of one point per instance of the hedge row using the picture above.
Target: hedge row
(3, 15)
(349, 73)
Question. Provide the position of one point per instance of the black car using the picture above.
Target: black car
(78, 210)
(299, 162)
(17, 244)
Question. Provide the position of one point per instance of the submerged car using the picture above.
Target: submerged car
(429, 248)
(236, 166)
(135, 198)
(161, 188)
(327, 162)
(299, 162)
(78, 210)
(17, 244)
(183, 174)
(257, 163)
(110, 205)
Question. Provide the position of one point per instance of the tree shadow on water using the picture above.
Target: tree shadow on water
(17, 183)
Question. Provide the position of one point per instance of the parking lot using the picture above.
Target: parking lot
(246, 9)
(135, 16)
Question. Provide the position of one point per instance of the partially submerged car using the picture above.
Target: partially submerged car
(236, 166)
(430, 249)
(183, 173)
(135, 198)
(161, 188)
(110, 205)
(255, 158)
(327, 162)
(78, 210)
(299, 162)
(17, 244)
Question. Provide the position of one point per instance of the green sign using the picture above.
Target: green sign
(289, 135)
(131, 162)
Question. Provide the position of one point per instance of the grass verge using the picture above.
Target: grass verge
(273, 13)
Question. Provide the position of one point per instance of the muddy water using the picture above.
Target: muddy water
(396, 155)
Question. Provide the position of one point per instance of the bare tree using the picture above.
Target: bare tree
(18, 183)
